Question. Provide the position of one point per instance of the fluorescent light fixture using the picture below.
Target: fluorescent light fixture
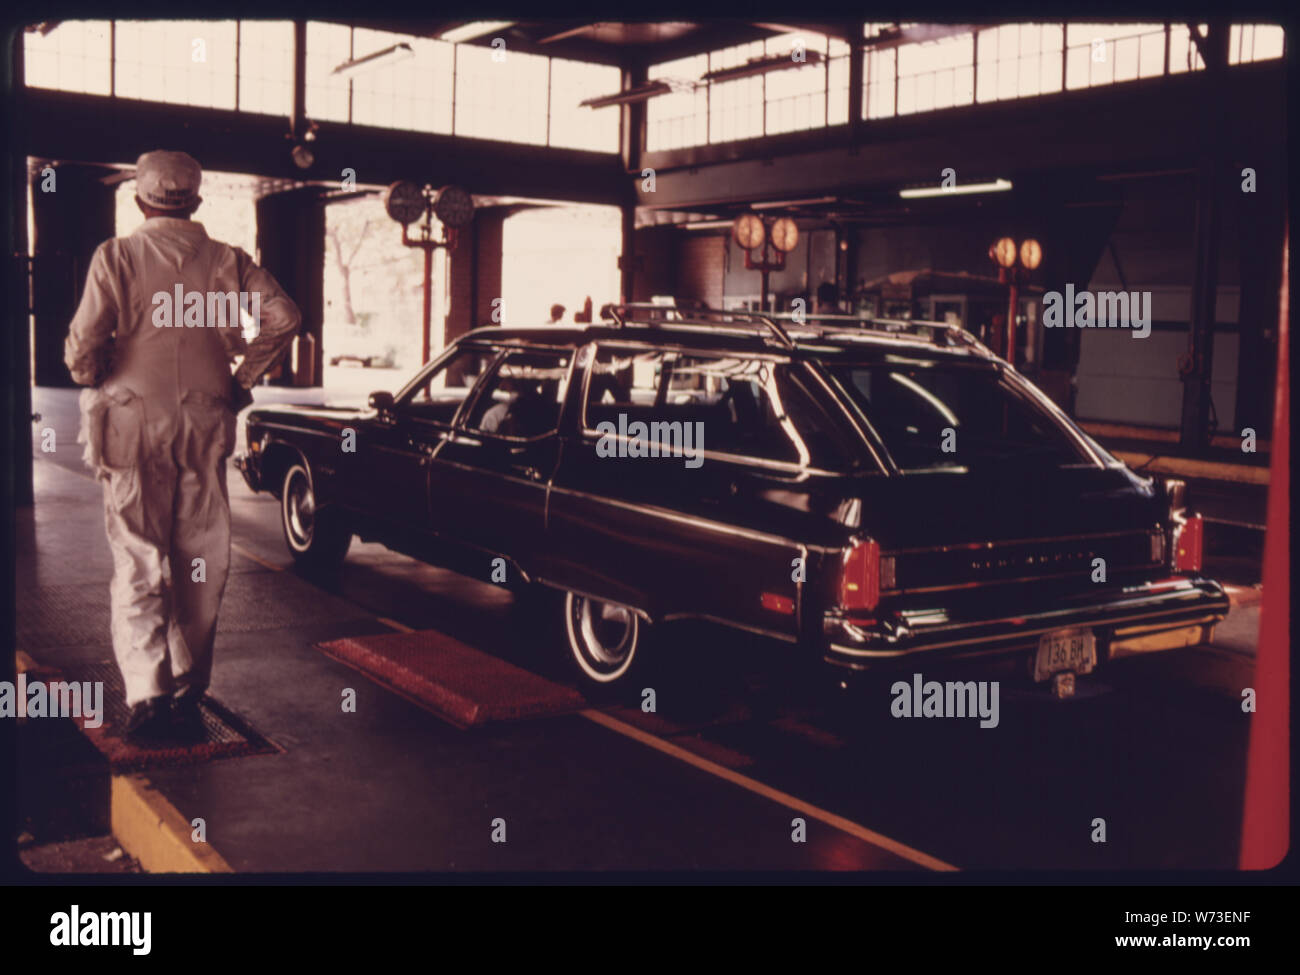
(779, 204)
(389, 55)
(762, 65)
(630, 96)
(474, 29)
(705, 224)
(997, 186)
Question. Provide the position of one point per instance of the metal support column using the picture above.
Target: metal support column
(1198, 363)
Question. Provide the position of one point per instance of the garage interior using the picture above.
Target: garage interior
(608, 162)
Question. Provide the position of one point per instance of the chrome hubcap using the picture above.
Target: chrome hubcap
(300, 507)
(607, 631)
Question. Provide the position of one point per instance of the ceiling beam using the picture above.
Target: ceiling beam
(835, 30)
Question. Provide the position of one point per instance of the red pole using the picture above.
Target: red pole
(428, 297)
(1265, 821)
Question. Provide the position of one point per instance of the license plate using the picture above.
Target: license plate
(1063, 650)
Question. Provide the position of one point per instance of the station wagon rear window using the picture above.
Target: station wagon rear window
(936, 417)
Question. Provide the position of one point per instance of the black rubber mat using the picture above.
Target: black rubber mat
(225, 734)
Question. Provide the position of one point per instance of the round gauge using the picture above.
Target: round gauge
(1004, 251)
(785, 234)
(748, 231)
(454, 207)
(1031, 253)
(404, 201)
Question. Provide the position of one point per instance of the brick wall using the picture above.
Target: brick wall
(687, 265)
(700, 267)
(479, 250)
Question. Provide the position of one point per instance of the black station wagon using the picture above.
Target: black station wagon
(877, 493)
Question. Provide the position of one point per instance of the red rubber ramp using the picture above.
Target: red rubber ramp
(458, 683)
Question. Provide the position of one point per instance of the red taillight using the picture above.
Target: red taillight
(1189, 543)
(860, 584)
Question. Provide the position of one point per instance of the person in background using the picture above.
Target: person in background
(158, 421)
(828, 299)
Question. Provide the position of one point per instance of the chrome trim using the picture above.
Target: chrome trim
(591, 595)
(784, 466)
(428, 368)
(865, 433)
(858, 418)
(333, 435)
(1000, 582)
(1016, 634)
(1045, 402)
(975, 546)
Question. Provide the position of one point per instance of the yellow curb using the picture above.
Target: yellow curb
(150, 828)
(1211, 469)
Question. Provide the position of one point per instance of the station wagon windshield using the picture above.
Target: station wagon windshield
(935, 417)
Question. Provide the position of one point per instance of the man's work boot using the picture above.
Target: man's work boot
(150, 722)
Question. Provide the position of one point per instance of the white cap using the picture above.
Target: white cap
(167, 180)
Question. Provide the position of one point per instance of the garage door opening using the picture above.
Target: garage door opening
(373, 290)
(561, 255)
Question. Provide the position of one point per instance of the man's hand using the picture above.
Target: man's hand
(239, 395)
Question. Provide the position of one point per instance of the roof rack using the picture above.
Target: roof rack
(687, 313)
(692, 313)
(939, 333)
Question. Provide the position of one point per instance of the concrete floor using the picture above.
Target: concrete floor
(1155, 746)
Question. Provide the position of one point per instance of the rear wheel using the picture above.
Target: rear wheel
(603, 640)
(318, 538)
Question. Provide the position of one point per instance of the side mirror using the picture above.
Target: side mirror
(381, 401)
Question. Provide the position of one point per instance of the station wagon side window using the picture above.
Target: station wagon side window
(622, 380)
(750, 409)
(437, 395)
(736, 401)
(523, 396)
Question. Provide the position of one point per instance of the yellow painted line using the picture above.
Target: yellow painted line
(1241, 596)
(1097, 429)
(1189, 467)
(153, 831)
(235, 546)
(1127, 432)
(402, 627)
(767, 792)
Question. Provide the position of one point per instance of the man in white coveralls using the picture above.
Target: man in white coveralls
(154, 340)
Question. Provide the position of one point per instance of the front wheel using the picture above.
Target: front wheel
(318, 539)
(603, 640)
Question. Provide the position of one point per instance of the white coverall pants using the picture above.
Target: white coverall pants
(166, 507)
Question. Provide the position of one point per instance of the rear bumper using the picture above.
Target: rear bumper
(1137, 619)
